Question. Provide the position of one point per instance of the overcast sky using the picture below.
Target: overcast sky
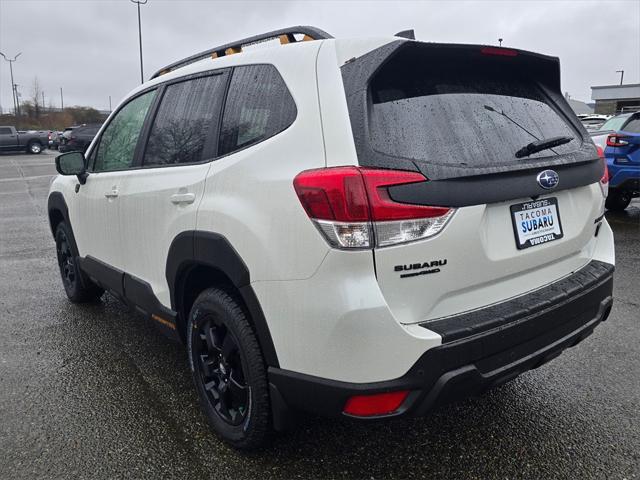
(90, 47)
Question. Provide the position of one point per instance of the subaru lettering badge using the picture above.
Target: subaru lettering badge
(548, 179)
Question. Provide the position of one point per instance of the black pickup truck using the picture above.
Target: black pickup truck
(12, 140)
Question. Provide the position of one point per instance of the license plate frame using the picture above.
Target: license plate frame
(536, 222)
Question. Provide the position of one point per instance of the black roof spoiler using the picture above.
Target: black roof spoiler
(286, 35)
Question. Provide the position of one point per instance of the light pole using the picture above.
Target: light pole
(140, 2)
(621, 72)
(13, 88)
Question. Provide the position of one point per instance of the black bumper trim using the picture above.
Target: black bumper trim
(549, 297)
(472, 364)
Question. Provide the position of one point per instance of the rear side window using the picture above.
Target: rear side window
(459, 114)
(118, 141)
(186, 119)
(633, 126)
(258, 106)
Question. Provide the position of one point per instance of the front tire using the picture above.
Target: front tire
(618, 201)
(228, 370)
(35, 148)
(77, 286)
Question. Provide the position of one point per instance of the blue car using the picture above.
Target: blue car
(623, 161)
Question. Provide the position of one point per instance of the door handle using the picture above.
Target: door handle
(113, 193)
(178, 198)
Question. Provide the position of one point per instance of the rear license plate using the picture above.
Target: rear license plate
(536, 222)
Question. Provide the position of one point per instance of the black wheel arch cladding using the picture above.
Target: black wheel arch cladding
(191, 249)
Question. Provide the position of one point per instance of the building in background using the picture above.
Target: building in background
(579, 108)
(613, 99)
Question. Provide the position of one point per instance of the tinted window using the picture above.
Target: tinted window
(185, 120)
(5, 131)
(633, 126)
(258, 107)
(614, 123)
(118, 141)
(92, 130)
(460, 115)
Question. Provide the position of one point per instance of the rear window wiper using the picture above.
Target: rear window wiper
(543, 144)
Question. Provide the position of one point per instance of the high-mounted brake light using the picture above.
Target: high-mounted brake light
(615, 140)
(352, 207)
(499, 51)
(376, 404)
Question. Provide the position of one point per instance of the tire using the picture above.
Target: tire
(76, 284)
(35, 148)
(228, 370)
(618, 201)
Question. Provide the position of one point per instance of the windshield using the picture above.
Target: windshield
(455, 115)
(614, 123)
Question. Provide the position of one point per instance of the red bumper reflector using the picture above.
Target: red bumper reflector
(377, 404)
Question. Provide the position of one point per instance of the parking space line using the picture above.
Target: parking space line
(26, 178)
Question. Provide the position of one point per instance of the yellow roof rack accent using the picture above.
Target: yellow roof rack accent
(232, 50)
(286, 36)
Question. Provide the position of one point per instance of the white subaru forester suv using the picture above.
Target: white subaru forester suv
(366, 228)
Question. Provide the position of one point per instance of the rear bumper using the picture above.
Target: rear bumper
(624, 176)
(630, 184)
(479, 350)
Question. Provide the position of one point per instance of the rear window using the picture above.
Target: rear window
(614, 123)
(459, 114)
(633, 126)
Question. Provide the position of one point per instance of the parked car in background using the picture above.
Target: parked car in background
(64, 136)
(622, 154)
(594, 122)
(12, 140)
(613, 125)
(54, 140)
(80, 138)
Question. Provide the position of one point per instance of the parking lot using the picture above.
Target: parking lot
(95, 392)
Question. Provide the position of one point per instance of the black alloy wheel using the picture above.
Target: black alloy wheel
(228, 369)
(66, 261)
(222, 372)
(78, 287)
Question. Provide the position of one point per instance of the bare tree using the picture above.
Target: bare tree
(36, 96)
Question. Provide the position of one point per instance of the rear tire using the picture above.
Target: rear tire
(228, 370)
(76, 284)
(35, 148)
(618, 201)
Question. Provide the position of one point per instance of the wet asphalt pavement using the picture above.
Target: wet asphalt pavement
(95, 392)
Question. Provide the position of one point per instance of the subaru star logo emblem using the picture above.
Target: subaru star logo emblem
(548, 179)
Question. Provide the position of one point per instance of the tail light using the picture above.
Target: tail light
(352, 208)
(376, 404)
(615, 140)
(604, 180)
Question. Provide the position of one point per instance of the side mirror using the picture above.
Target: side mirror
(72, 163)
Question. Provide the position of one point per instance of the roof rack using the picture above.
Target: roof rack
(286, 35)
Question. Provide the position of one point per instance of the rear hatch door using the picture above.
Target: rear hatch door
(458, 114)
